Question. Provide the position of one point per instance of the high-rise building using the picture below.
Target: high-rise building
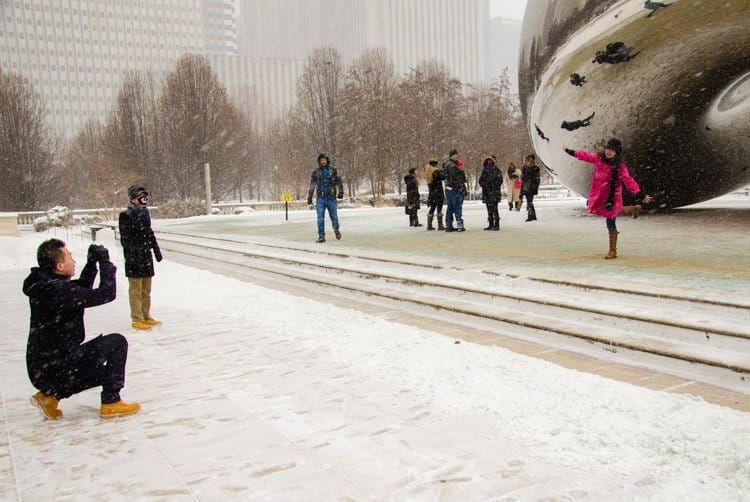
(453, 32)
(220, 26)
(262, 88)
(502, 49)
(76, 51)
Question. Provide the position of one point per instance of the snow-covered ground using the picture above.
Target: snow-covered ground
(254, 394)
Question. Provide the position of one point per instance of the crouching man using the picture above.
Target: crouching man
(58, 360)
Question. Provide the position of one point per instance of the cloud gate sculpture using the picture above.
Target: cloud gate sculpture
(670, 79)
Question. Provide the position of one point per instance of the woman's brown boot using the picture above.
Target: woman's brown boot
(612, 245)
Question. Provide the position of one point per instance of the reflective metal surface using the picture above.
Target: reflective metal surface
(670, 79)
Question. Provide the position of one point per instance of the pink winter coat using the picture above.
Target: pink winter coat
(600, 184)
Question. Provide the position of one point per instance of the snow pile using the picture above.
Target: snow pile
(254, 393)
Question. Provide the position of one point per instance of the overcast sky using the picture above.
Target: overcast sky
(512, 9)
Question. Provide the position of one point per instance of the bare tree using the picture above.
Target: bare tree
(198, 124)
(317, 93)
(130, 136)
(91, 166)
(28, 172)
(429, 105)
(490, 126)
(293, 153)
(368, 110)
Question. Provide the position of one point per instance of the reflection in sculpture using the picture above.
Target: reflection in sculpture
(577, 124)
(577, 79)
(670, 79)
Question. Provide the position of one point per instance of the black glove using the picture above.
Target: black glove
(98, 253)
(570, 152)
(92, 253)
(309, 202)
(608, 206)
(340, 195)
(157, 253)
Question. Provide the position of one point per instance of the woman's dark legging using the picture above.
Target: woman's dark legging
(493, 216)
(530, 210)
(611, 226)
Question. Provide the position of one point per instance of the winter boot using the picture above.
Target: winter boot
(337, 234)
(490, 226)
(612, 245)
(510, 206)
(118, 409)
(460, 226)
(321, 238)
(416, 221)
(47, 404)
(440, 221)
(430, 217)
(634, 211)
(152, 322)
(141, 325)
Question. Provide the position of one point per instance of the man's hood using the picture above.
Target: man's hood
(38, 280)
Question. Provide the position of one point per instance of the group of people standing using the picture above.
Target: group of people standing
(448, 183)
(447, 186)
(605, 196)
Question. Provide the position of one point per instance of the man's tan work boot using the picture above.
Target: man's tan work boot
(118, 409)
(47, 404)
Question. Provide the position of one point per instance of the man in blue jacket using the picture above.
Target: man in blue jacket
(327, 185)
(58, 360)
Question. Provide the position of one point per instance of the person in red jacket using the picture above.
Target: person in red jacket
(605, 195)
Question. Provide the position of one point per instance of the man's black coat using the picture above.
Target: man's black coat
(137, 240)
(57, 305)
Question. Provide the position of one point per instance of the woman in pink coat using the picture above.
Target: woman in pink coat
(605, 196)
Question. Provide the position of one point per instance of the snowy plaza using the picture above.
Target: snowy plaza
(250, 392)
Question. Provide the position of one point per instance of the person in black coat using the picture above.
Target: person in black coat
(58, 361)
(138, 241)
(491, 181)
(412, 197)
(530, 179)
(435, 198)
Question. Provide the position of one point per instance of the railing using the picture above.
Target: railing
(28, 217)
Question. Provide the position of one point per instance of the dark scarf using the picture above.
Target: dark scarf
(139, 214)
(615, 163)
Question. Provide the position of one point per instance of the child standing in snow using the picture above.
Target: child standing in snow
(412, 197)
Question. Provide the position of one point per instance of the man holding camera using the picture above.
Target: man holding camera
(137, 241)
(58, 360)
